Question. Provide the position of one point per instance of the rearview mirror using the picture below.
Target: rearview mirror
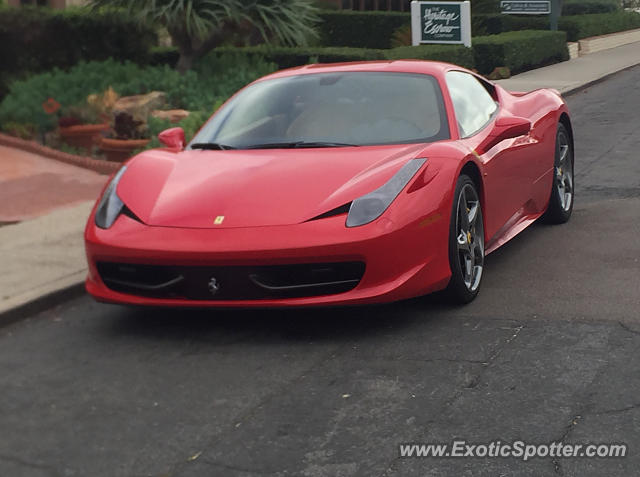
(173, 138)
(505, 127)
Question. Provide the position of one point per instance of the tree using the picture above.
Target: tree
(197, 26)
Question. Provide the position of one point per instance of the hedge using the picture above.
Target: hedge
(38, 39)
(585, 26)
(519, 50)
(581, 7)
(456, 54)
(288, 57)
(372, 29)
(576, 26)
(493, 24)
(285, 57)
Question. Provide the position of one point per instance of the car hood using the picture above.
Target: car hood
(251, 188)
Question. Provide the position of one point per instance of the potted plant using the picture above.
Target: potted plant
(81, 126)
(127, 135)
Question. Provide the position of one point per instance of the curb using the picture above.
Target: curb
(588, 84)
(102, 167)
(43, 302)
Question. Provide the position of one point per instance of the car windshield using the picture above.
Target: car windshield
(329, 110)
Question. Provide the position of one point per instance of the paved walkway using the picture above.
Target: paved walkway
(575, 74)
(44, 253)
(31, 185)
(44, 256)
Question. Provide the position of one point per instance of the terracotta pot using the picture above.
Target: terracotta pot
(119, 150)
(83, 136)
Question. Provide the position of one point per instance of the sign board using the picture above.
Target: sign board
(533, 7)
(441, 22)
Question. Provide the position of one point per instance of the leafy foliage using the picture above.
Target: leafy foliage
(360, 29)
(519, 50)
(33, 40)
(456, 54)
(585, 26)
(582, 7)
(197, 26)
(194, 91)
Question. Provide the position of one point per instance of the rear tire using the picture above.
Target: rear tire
(466, 242)
(562, 188)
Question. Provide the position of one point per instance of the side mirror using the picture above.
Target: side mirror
(173, 138)
(505, 127)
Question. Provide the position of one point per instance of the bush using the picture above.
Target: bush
(289, 57)
(585, 26)
(519, 50)
(360, 29)
(38, 39)
(580, 7)
(194, 91)
(456, 54)
(485, 6)
(576, 26)
(493, 24)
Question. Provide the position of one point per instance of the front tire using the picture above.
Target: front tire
(466, 242)
(561, 199)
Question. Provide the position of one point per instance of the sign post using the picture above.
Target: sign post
(441, 22)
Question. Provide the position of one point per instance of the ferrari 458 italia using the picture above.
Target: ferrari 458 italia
(334, 184)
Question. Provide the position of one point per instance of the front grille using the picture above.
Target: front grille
(231, 283)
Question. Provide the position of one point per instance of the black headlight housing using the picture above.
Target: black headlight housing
(369, 207)
(110, 205)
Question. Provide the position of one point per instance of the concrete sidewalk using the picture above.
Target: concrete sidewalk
(44, 257)
(575, 74)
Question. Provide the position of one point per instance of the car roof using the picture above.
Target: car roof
(434, 68)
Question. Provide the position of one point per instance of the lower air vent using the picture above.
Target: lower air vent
(232, 283)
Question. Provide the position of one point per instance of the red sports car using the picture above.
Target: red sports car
(334, 184)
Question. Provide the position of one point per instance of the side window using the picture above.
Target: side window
(472, 103)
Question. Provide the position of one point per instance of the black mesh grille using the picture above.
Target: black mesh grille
(231, 283)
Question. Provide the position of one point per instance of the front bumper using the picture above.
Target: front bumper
(399, 262)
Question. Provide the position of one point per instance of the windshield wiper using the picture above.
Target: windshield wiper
(298, 144)
(211, 146)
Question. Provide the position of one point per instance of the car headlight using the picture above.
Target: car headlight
(371, 206)
(110, 204)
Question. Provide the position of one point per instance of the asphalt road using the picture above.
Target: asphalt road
(548, 352)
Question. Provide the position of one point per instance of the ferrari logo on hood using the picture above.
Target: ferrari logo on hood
(218, 220)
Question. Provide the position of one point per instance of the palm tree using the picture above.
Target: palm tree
(197, 26)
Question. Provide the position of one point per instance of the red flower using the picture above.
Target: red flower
(51, 106)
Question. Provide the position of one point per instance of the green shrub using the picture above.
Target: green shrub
(196, 90)
(519, 50)
(576, 26)
(371, 29)
(581, 7)
(33, 40)
(288, 57)
(493, 24)
(585, 26)
(456, 54)
(485, 6)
